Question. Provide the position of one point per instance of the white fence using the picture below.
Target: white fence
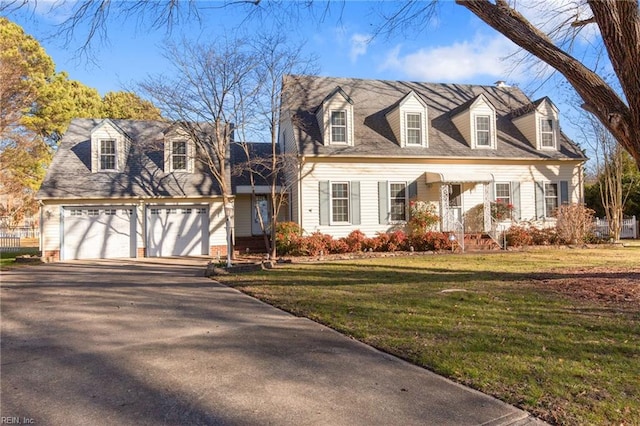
(9, 244)
(629, 228)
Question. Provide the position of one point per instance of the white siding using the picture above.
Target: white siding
(51, 227)
(462, 122)
(369, 174)
(528, 127)
(243, 215)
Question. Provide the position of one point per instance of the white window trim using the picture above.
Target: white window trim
(554, 127)
(168, 154)
(490, 132)
(495, 191)
(346, 127)
(557, 196)
(406, 128)
(186, 155)
(331, 221)
(115, 154)
(406, 201)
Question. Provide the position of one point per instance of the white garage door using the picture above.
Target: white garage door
(177, 230)
(91, 232)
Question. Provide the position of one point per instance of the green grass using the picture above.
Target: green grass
(486, 320)
(7, 259)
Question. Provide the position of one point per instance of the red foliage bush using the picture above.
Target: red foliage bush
(518, 236)
(355, 241)
(430, 241)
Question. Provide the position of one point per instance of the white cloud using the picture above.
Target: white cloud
(359, 45)
(459, 62)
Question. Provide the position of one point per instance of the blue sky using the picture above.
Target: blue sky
(454, 47)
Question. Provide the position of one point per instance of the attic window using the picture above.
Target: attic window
(179, 155)
(546, 133)
(107, 154)
(483, 130)
(414, 128)
(339, 126)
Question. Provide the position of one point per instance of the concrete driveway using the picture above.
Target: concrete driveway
(152, 342)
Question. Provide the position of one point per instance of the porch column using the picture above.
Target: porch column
(487, 207)
(444, 207)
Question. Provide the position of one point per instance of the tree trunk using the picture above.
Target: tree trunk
(619, 23)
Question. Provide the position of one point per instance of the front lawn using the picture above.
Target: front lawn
(555, 332)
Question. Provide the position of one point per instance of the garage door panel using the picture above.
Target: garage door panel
(177, 230)
(98, 233)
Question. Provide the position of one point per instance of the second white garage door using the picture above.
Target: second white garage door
(177, 230)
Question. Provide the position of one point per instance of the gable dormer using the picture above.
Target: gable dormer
(179, 150)
(476, 122)
(540, 124)
(109, 147)
(335, 118)
(408, 121)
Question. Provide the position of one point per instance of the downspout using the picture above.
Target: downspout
(41, 236)
(300, 209)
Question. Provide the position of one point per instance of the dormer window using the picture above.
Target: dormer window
(408, 121)
(339, 126)
(109, 147)
(108, 154)
(335, 118)
(476, 122)
(413, 125)
(483, 130)
(179, 155)
(547, 139)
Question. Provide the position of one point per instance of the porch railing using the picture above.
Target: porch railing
(457, 230)
(498, 232)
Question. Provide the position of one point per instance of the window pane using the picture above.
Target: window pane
(398, 201)
(180, 147)
(338, 126)
(179, 162)
(107, 154)
(482, 130)
(503, 193)
(338, 118)
(546, 133)
(455, 198)
(550, 198)
(414, 129)
(340, 202)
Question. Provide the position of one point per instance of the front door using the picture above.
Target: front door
(260, 211)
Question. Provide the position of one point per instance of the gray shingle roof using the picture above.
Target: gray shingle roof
(69, 175)
(372, 99)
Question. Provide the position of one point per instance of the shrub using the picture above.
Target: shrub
(544, 236)
(317, 244)
(355, 241)
(501, 211)
(339, 246)
(423, 217)
(574, 223)
(518, 236)
(430, 241)
(288, 235)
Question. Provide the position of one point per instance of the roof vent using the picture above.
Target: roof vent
(501, 83)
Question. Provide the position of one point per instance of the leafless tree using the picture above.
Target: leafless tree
(208, 93)
(275, 58)
(609, 162)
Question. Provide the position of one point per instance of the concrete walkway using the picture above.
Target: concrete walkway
(153, 342)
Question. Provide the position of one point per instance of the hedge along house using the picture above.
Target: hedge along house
(127, 188)
(368, 148)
